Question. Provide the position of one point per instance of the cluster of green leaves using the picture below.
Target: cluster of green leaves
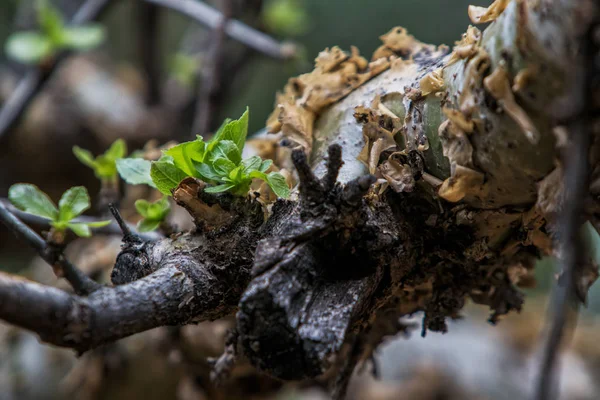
(154, 213)
(30, 199)
(31, 47)
(218, 162)
(104, 165)
(286, 17)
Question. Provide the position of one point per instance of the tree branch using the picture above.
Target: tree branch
(572, 250)
(82, 323)
(36, 77)
(81, 283)
(111, 229)
(208, 16)
(210, 85)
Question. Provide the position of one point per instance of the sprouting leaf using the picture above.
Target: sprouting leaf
(226, 149)
(29, 198)
(278, 184)
(28, 47)
(286, 17)
(266, 164)
(219, 188)
(104, 165)
(80, 229)
(235, 130)
(153, 213)
(166, 176)
(252, 164)
(72, 203)
(147, 225)
(84, 156)
(135, 171)
(209, 173)
(84, 37)
(185, 154)
(51, 21)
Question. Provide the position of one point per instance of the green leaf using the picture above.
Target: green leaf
(236, 131)
(237, 174)
(27, 197)
(84, 37)
(159, 209)
(147, 225)
(135, 171)
(28, 47)
(104, 167)
(286, 17)
(208, 172)
(228, 150)
(223, 167)
(72, 203)
(166, 176)
(80, 229)
(51, 21)
(278, 184)
(141, 207)
(116, 150)
(266, 164)
(220, 188)
(252, 164)
(84, 156)
(186, 154)
(98, 224)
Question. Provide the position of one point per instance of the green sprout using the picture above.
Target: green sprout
(184, 68)
(154, 213)
(286, 17)
(104, 165)
(217, 162)
(30, 199)
(31, 47)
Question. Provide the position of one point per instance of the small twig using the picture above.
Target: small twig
(571, 249)
(148, 35)
(36, 77)
(210, 85)
(80, 282)
(112, 229)
(208, 16)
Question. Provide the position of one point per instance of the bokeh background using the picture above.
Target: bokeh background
(97, 97)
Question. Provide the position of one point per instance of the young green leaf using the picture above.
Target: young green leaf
(84, 38)
(135, 171)
(219, 188)
(147, 225)
(72, 203)
(29, 198)
(28, 47)
(154, 213)
(265, 165)
(252, 164)
(209, 173)
(51, 21)
(226, 149)
(80, 229)
(186, 154)
(278, 184)
(235, 130)
(104, 165)
(166, 176)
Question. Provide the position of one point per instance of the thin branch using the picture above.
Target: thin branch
(36, 77)
(210, 85)
(80, 282)
(149, 47)
(208, 16)
(112, 229)
(571, 248)
(175, 294)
